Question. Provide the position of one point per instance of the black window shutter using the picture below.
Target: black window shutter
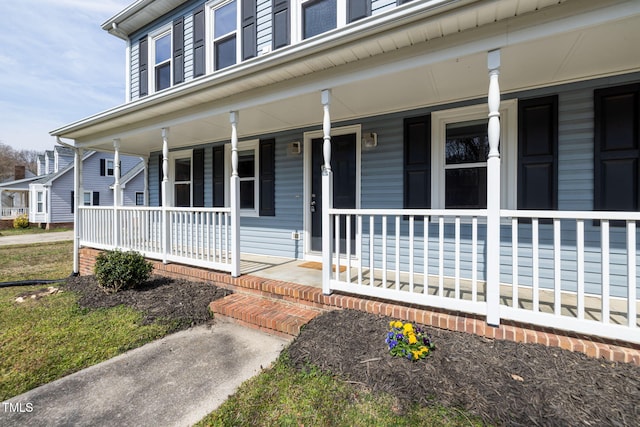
(143, 65)
(96, 198)
(267, 177)
(198, 177)
(103, 167)
(199, 64)
(417, 162)
(280, 21)
(160, 177)
(73, 201)
(399, 2)
(178, 51)
(218, 176)
(358, 9)
(616, 177)
(538, 153)
(249, 31)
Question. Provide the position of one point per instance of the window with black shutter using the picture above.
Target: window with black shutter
(249, 31)
(281, 23)
(616, 175)
(538, 153)
(178, 51)
(143, 65)
(198, 177)
(267, 177)
(358, 9)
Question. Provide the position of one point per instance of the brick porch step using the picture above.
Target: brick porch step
(273, 316)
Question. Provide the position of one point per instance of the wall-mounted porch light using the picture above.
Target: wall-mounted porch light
(370, 140)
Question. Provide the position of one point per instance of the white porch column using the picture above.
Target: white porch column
(493, 192)
(77, 218)
(116, 193)
(165, 196)
(235, 197)
(327, 194)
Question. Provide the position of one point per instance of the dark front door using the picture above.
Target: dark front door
(343, 165)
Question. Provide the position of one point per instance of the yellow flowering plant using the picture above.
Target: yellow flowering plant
(406, 340)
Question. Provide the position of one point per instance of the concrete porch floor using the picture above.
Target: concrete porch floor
(283, 269)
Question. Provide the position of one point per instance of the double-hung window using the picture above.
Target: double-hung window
(182, 181)
(225, 29)
(109, 167)
(161, 54)
(319, 16)
(40, 202)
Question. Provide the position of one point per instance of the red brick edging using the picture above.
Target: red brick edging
(595, 347)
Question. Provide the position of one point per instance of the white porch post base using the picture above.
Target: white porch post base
(493, 192)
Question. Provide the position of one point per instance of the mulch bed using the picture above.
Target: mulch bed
(502, 382)
(179, 301)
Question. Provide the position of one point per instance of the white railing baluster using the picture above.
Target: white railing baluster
(397, 225)
(337, 246)
(514, 262)
(441, 256)
(371, 249)
(457, 257)
(536, 265)
(604, 250)
(557, 268)
(411, 254)
(348, 242)
(425, 244)
(631, 274)
(474, 259)
(580, 265)
(384, 251)
(359, 247)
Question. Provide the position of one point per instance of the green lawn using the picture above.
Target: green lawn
(30, 230)
(49, 261)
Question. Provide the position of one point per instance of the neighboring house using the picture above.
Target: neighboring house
(478, 156)
(51, 196)
(14, 196)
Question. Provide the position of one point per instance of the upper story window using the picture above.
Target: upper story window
(225, 26)
(161, 54)
(320, 16)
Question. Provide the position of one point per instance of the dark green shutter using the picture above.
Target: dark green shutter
(249, 31)
(417, 162)
(538, 153)
(143, 65)
(267, 177)
(358, 9)
(199, 34)
(280, 21)
(218, 176)
(616, 177)
(198, 177)
(178, 51)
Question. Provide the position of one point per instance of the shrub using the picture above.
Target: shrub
(117, 270)
(21, 221)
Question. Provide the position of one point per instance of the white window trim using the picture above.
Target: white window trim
(40, 201)
(151, 73)
(508, 149)
(297, 15)
(84, 195)
(210, 54)
(106, 167)
(254, 145)
(173, 156)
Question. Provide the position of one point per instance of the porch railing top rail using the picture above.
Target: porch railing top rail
(157, 208)
(588, 215)
(412, 212)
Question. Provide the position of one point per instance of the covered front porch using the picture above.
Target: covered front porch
(568, 267)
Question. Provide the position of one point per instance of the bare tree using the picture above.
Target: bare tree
(10, 158)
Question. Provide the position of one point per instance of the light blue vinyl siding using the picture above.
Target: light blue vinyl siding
(135, 66)
(154, 185)
(188, 47)
(60, 198)
(264, 25)
(135, 185)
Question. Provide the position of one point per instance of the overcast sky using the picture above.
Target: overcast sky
(57, 66)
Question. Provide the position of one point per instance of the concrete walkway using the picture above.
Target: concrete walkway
(174, 381)
(25, 239)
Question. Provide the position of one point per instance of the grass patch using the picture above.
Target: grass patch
(48, 338)
(30, 230)
(36, 261)
(284, 396)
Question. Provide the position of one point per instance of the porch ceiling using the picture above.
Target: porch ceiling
(371, 77)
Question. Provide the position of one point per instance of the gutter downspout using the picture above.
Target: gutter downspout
(77, 185)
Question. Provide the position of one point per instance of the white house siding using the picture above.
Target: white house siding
(135, 63)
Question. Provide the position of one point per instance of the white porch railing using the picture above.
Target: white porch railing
(567, 270)
(195, 236)
(11, 213)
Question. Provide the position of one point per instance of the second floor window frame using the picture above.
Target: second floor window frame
(216, 37)
(160, 61)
